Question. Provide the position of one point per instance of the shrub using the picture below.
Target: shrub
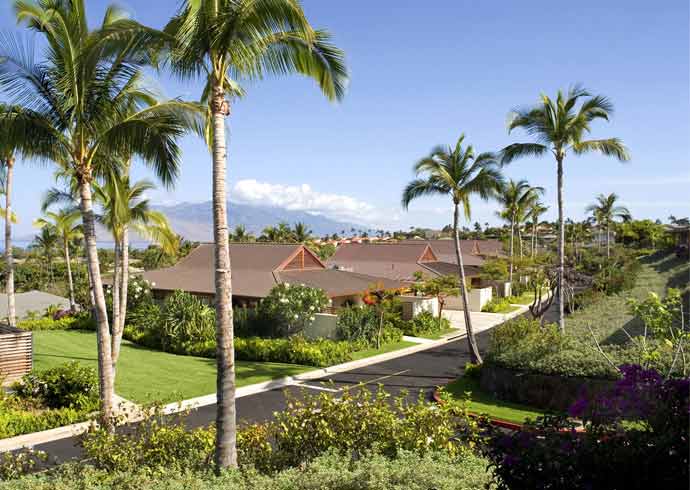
(361, 325)
(333, 471)
(77, 321)
(425, 323)
(498, 305)
(636, 437)
(294, 350)
(21, 417)
(292, 307)
(473, 371)
(14, 464)
(185, 321)
(68, 386)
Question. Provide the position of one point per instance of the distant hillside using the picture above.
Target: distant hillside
(194, 221)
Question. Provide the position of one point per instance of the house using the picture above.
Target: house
(256, 268)
(403, 261)
(681, 232)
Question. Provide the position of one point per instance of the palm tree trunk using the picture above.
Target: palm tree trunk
(116, 294)
(534, 239)
(9, 260)
(519, 233)
(608, 240)
(118, 328)
(475, 356)
(512, 234)
(105, 378)
(226, 424)
(561, 248)
(70, 283)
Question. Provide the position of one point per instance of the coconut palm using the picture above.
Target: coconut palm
(240, 234)
(516, 198)
(74, 107)
(44, 244)
(457, 172)
(125, 209)
(7, 161)
(301, 232)
(66, 226)
(559, 127)
(536, 209)
(226, 41)
(606, 211)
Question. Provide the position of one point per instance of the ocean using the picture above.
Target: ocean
(110, 245)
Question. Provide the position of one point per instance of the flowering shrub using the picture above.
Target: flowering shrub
(292, 307)
(68, 386)
(361, 326)
(636, 436)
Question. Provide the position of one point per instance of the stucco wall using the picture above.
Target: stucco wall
(324, 326)
(414, 305)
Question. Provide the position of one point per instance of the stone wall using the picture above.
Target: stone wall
(551, 392)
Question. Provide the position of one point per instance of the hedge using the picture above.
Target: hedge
(77, 322)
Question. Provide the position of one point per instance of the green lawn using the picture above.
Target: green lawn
(484, 403)
(145, 375)
(523, 299)
(439, 335)
(384, 349)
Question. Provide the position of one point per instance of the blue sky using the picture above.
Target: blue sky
(422, 73)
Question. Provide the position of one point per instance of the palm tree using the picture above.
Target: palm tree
(460, 174)
(125, 209)
(224, 40)
(44, 244)
(560, 127)
(74, 108)
(240, 234)
(605, 211)
(536, 209)
(6, 173)
(64, 222)
(301, 232)
(515, 199)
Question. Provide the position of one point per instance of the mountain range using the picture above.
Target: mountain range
(194, 221)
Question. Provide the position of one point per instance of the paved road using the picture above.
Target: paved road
(419, 372)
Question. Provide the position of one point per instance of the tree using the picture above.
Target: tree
(240, 234)
(458, 173)
(124, 208)
(74, 107)
(560, 127)
(6, 174)
(44, 244)
(605, 211)
(301, 232)
(225, 40)
(66, 226)
(535, 211)
(440, 287)
(516, 198)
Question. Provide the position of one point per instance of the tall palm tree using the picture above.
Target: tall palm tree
(65, 223)
(74, 108)
(125, 209)
(6, 175)
(45, 244)
(301, 232)
(241, 235)
(536, 210)
(457, 172)
(606, 211)
(226, 41)
(515, 198)
(559, 127)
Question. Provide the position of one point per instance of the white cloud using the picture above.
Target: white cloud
(303, 198)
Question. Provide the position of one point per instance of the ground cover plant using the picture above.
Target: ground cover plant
(499, 305)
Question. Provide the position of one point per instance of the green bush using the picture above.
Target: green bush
(78, 321)
(22, 417)
(70, 385)
(185, 321)
(294, 350)
(333, 471)
(498, 305)
(14, 464)
(361, 325)
(425, 323)
(291, 307)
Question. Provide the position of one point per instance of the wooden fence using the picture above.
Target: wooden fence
(16, 353)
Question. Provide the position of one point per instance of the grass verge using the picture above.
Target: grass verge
(481, 402)
(383, 350)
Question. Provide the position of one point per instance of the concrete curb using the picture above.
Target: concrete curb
(50, 435)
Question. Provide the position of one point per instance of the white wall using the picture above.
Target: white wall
(324, 326)
(414, 305)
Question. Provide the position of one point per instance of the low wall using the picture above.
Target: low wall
(16, 353)
(551, 392)
(414, 305)
(324, 326)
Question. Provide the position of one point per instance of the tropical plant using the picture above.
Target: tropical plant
(7, 160)
(44, 244)
(440, 287)
(125, 208)
(516, 199)
(535, 211)
(241, 235)
(75, 108)
(560, 127)
(226, 41)
(459, 173)
(64, 222)
(301, 232)
(605, 211)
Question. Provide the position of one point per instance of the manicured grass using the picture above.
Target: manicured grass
(384, 349)
(439, 335)
(507, 308)
(145, 375)
(484, 403)
(523, 299)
